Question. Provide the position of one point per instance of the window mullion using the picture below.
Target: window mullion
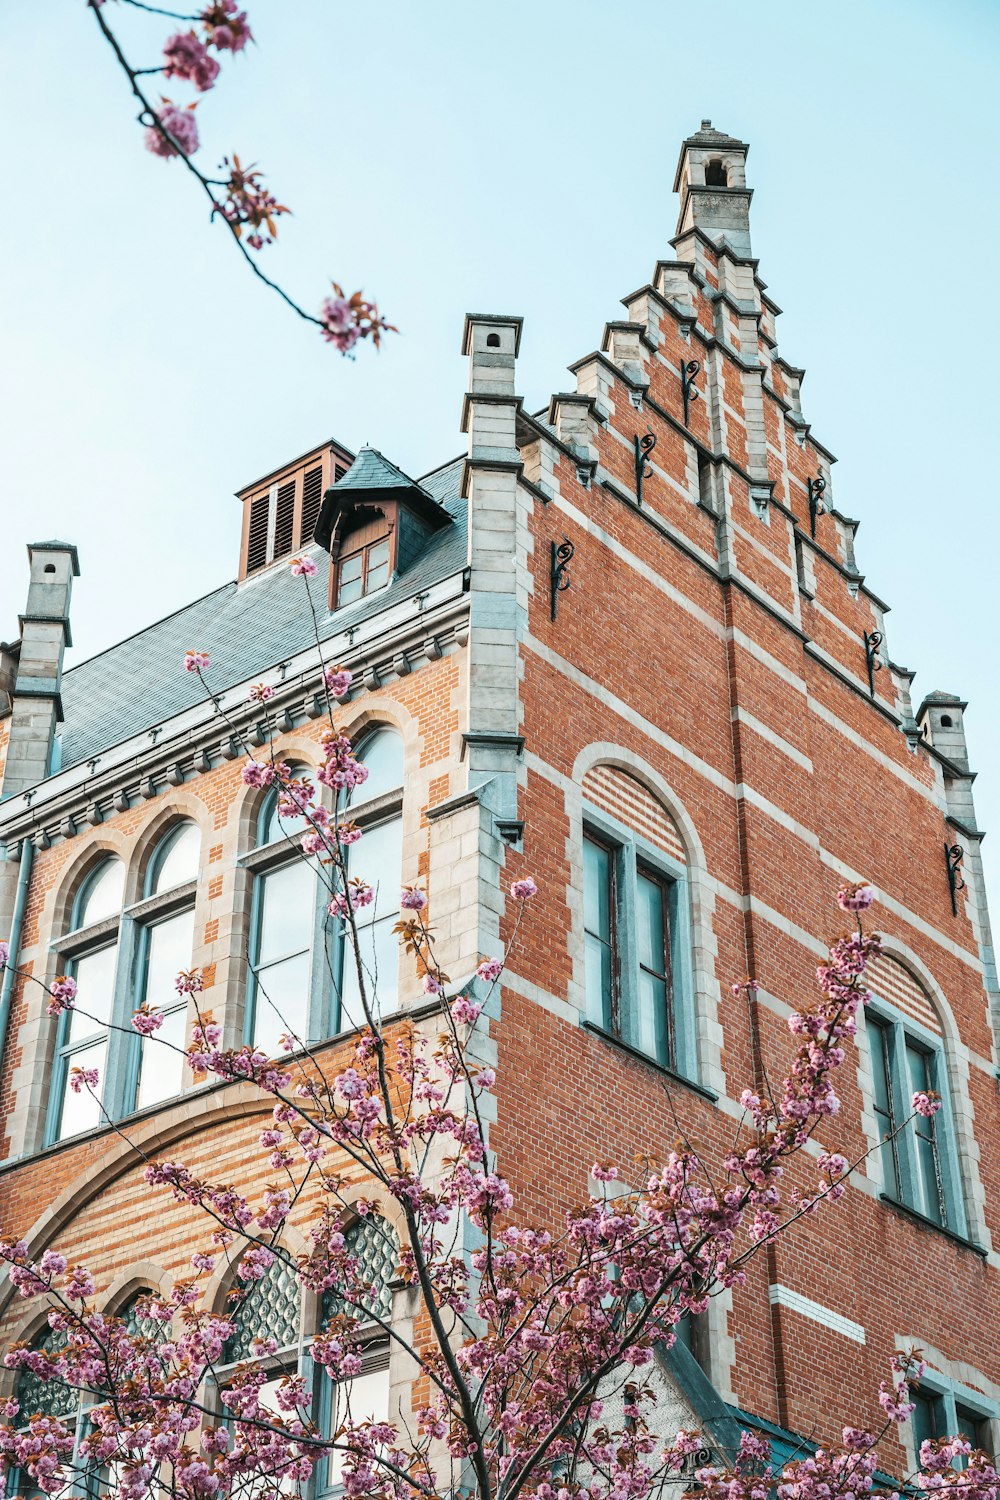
(122, 1054)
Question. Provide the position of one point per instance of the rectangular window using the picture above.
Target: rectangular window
(920, 1067)
(167, 949)
(85, 1039)
(880, 1039)
(652, 1020)
(286, 906)
(627, 944)
(929, 1419)
(599, 929)
(366, 568)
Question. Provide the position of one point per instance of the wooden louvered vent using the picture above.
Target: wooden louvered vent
(312, 499)
(284, 520)
(257, 534)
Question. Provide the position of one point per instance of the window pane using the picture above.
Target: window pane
(917, 1064)
(378, 858)
(161, 1070)
(269, 1309)
(651, 923)
(178, 862)
(884, 1115)
(350, 568)
(597, 889)
(929, 1200)
(366, 1398)
(652, 1028)
(383, 756)
(95, 984)
(973, 1427)
(599, 981)
(271, 826)
(287, 911)
(928, 1417)
(378, 555)
(80, 1111)
(380, 958)
(102, 897)
(170, 946)
(281, 1002)
(880, 1075)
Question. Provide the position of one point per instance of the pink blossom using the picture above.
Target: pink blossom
(338, 680)
(857, 897)
(523, 890)
(303, 567)
(260, 693)
(603, 1174)
(62, 993)
(226, 26)
(189, 982)
(411, 899)
(432, 985)
(81, 1078)
(180, 124)
(490, 970)
(195, 661)
(146, 1021)
(185, 56)
(485, 1078)
(465, 1011)
(255, 773)
(926, 1104)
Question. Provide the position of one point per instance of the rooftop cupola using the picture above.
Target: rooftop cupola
(711, 180)
(374, 522)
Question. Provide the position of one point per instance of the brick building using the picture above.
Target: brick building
(624, 644)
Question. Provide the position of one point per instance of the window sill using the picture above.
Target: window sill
(919, 1218)
(650, 1062)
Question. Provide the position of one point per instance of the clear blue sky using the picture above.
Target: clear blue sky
(510, 157)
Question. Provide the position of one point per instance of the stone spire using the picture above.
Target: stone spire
(711, 180)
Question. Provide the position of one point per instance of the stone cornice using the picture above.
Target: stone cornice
(199, 739)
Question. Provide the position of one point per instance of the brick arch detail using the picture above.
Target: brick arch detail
(185, 1119)
(143, 1275)
(629, 800)
(182, 806)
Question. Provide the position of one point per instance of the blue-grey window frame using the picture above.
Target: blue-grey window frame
(322, 1016)
(900, 1027)
(630, 851)
(128, 929)
(953, 1394)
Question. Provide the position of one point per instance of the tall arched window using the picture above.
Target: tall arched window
(165, 948)
(635, 919)
(366, 1397)
(84, 1032)
(377, 807)
(285, 914)
(49, 1398)
(121, 959)
(269, 1309)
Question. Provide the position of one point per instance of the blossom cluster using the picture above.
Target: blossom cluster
(344, 320)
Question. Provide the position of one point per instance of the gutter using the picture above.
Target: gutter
(16, 926)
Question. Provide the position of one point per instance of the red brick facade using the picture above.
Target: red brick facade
(711, 644)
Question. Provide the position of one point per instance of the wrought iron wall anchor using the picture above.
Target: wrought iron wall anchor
(644, 446)
(689, 370)
(562, 555)
(953, 856)
(816, 506)
(872, 659)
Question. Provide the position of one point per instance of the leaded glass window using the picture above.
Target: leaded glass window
(375, 1244)
(270, 1309)
(48, 1398)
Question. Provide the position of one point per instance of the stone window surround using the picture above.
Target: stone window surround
(126, 929)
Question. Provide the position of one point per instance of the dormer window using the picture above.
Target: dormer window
(375, 522)
(365, 561)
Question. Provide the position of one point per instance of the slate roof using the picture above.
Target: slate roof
(246, 629)
(371, 470)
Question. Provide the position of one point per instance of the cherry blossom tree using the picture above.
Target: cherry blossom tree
(534, 1365)
(192, 57)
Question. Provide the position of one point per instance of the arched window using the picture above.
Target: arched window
(269, 1309)
(84, 1031)
(166, 943)
(285, 908)
(120, 960)
(918, 1160)
(377, 806)
(49, 1398)
(716, 174)
(366, 1397)
(635, 919)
